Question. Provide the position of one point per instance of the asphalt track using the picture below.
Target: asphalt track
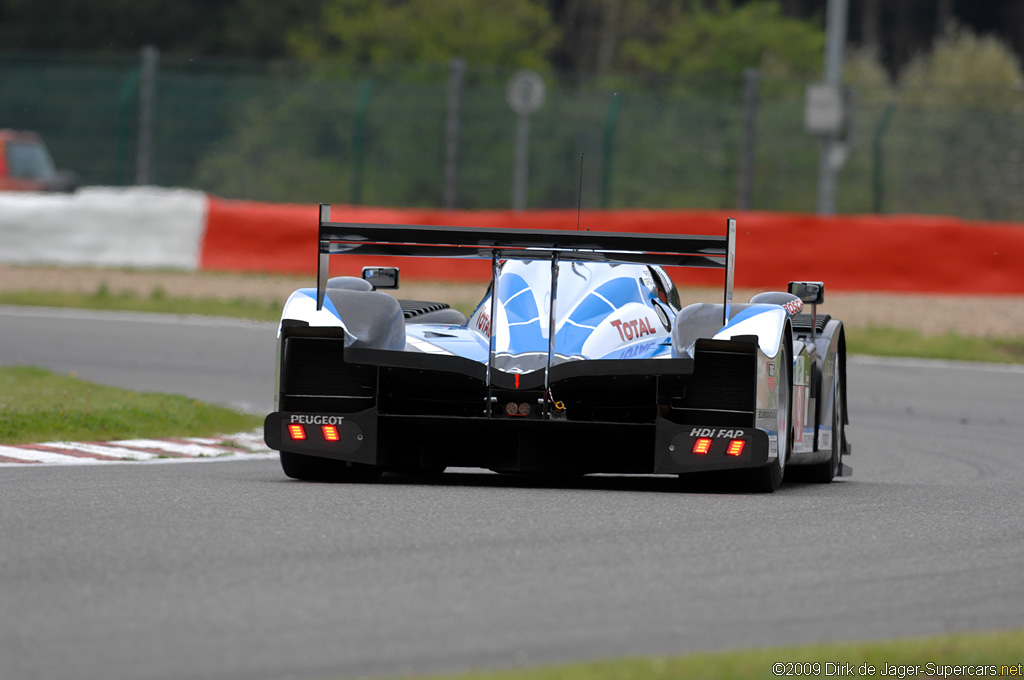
(231, 571)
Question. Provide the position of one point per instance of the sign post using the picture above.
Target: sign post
(525, 95)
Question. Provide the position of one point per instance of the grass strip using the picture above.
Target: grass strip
(873, 340)
(240, 307)
(37, 405)
(966, 655)
(901, 342)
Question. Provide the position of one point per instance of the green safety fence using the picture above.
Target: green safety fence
(291, 132)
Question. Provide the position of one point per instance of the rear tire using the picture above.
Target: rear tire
(317, 469)
(768, 478)
(824, 473)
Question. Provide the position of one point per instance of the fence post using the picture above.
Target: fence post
(525, 95)
(831, 151)
(877, 187)
(147, 101)
(359, 141)
(453, 119)
(748, 140)
(606, 149)
(129, 92)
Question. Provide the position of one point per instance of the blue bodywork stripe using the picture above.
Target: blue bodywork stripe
(328, 303)
(748, 313)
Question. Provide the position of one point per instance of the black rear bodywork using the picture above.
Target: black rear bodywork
(408, 410)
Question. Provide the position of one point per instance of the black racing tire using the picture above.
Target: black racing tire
(317, 469)
(825, 472)
(767, 479)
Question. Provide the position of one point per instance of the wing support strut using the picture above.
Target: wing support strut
(491, 340)
(730, 268)
(551, 331)
(323, 262)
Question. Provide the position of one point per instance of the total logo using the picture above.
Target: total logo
(483, 323)
(635, 328)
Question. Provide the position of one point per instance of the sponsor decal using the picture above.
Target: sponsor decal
(483, 323)
(315, 420)
(637, 350)
(634, 328)
(771, 376)
(767, 414)
(793, 306)
(716, 433)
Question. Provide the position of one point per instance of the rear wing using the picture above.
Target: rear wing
(714, 252)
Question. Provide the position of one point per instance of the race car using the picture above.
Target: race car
(580, 358)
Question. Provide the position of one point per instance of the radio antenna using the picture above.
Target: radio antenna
(579, 195)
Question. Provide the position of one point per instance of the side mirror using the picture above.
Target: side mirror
(381, 277)
(809, 292)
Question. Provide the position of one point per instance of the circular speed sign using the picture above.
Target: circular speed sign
(525, 92)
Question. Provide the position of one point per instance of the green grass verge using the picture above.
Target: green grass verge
(875, 340)
(899, 658)
(900, 342)
(102, 299)
(37, 405)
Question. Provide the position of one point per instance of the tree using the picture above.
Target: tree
(692, 38)
(963, 63)
(511, 33)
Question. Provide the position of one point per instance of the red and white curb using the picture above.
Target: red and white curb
(241, 446)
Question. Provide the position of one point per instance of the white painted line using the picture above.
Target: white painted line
(935, 364)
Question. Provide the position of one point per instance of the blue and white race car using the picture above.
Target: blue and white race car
(580, 358)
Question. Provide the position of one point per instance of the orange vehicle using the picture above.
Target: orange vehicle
(25, 165)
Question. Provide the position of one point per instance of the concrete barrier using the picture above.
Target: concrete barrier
(105, 227)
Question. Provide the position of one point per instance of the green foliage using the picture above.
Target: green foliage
(723, 38)
(959, 107)
(904, 342)
(156, 302)
(863, 70)
(999, 649)
(513, 33)
(964, 69)
(37, 405)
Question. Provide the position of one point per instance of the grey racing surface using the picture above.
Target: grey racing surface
(230, 570)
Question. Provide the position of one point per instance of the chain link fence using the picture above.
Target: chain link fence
(289, 132)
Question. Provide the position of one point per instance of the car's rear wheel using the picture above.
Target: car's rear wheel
(824, 473)
(768, 478)
(317, 469)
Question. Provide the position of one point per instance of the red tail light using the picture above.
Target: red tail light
(330, 433)
(297, 432)
(702, 446)
(735, 447)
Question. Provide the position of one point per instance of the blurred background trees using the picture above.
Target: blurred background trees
(350, 100)
(576, 36)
